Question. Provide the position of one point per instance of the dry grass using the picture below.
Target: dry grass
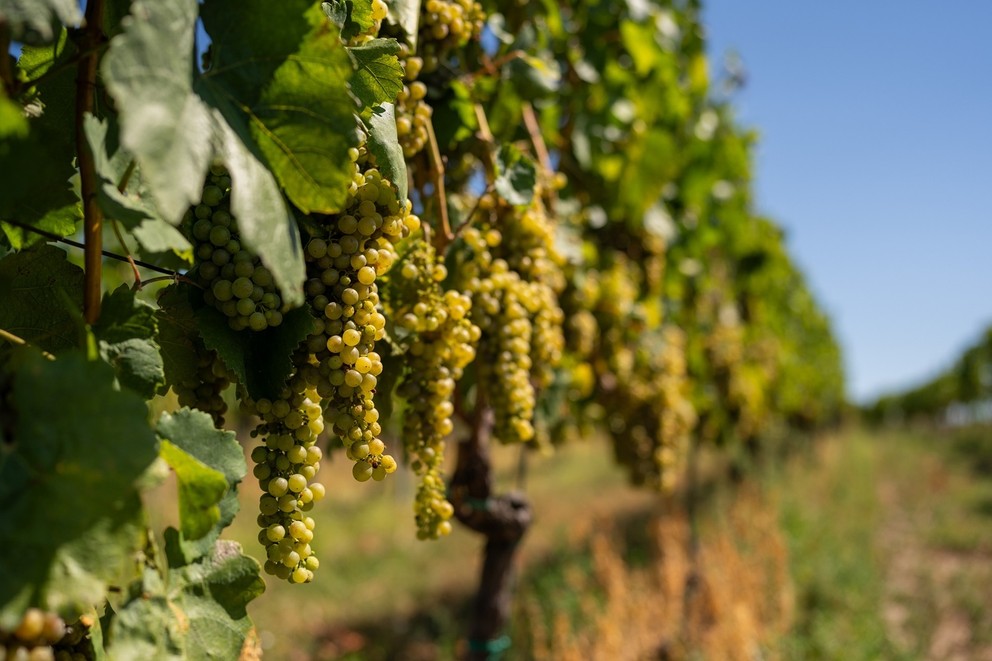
(732, 602)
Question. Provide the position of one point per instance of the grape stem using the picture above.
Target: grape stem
(471, 215)
(16, 339)
(121, 187)
(89, 36)
(485, 135)
(491, 67)
(444, 236)
(541, 149)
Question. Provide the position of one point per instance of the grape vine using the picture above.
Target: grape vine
(394, 232)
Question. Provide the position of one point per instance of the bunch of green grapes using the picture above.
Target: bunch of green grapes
(528, 246)
(446, 26)
(441, 344)
(345, 257)
(499, 309)
(630, 377)
(514, 291)
(650, 414)
(285, 466)
(233, 279)
(204, 391)
(41, 636)
(413, 113)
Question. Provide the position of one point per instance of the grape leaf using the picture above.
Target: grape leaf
(378, 75)
(454, 117)
(126, 332)
(262, 361)
(406, 14)
(164, 124)
(81, 535)
(35, 287)
(177, 335)
(200, 489)
(276, 243)
(517, 175)
(147, 627)
(174, 133)
(133, 207)
(193, 432)
(13, 123)
(352, 17)
(157, 236)
(38, 167)
(110, 170)
(534, 76)
(196, 613)
(30, 21)
(284, 71)
(385, 146)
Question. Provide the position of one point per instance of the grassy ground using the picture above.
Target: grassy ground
(890, 541)
(866, 547)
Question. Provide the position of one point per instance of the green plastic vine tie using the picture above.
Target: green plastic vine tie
(493, 649)
(479, 504)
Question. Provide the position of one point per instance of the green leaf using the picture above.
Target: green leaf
(123, 317)
(42, 295)
(517, 175)
(200, 489)
(110, 171)
(149, 71)
(126, 332)
(262, 361)
(133, 207)
(197, 613)
(265, 223)
(38, 167)
(406, 15)
(147, 627)
(534, 76)
(177, 335)
(30, 21)
(385, 146)
(13, 123)
(640, 41)
(378, 75)
(174, 133)
(71, 512)
(283, 71)
(157, 236)
(193, 432)
(339, 11)
(352, 17)
(454, 115)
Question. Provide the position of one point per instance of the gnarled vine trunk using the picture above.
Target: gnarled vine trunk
(502, 520)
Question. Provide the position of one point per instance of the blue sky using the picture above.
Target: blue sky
(876, 156)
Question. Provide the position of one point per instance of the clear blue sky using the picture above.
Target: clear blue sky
(876, 156)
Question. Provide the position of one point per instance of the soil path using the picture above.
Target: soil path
(929, 607)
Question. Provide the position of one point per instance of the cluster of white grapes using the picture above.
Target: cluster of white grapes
(441, 344)
(511, 273)
(233, 279)
(285, 466)
(41, 636)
